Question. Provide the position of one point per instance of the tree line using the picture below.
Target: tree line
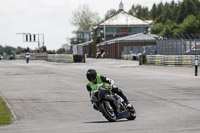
(171, 19)
(9, 50)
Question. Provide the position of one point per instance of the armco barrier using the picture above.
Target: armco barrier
(171, 60)
(66, 58)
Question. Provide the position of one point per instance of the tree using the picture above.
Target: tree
(190, 25)
(110, 13)
(84, 18)
(19, 50)
(61, 51)
(1, 50)
(154, 11)
(51, 52)
(168, 29)
(9, 50)
(139, 12)
(93, 45)
(157, 28)
(160, 8)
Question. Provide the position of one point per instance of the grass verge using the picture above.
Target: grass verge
(5, 115)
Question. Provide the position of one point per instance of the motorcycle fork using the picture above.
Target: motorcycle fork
(113, 102)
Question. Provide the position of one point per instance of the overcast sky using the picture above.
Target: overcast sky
(51, 17)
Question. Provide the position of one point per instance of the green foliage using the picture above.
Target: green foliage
(157, 28)
(174, 19)
(51, 52)
(1, 50)
(5, 115)
(19, 50)
(9, 50)
(110, 13)
(139, 12)
(190, 25)
(171, 19)
(61, 51)
(94, 50)
(153, 11)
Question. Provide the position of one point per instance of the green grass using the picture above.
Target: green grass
(5, 115)
(6, 57)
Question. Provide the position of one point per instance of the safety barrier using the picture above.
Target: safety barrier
(126, 57)
(66, 58)
(171, 60)
(34, 56)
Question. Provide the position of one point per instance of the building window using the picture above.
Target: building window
(98, 32)
(80, 35)
(138, 30)
(110, 30)
(118, 31)
(130, 31)
(87, 35)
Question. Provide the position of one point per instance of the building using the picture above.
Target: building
(119, 25)
(81, 37)
(120, 34)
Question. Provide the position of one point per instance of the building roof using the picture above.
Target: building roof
(85, 43)
(149, 21)
(131, 38)
(123, 18)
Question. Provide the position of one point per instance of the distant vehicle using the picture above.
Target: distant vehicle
(27, 57)
(100, 55)
(1, 57)
(11, 57)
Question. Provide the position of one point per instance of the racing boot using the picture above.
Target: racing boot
(119, 92)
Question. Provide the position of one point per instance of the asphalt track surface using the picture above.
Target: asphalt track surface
(49, 97)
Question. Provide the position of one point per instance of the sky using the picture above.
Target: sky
(51, 18)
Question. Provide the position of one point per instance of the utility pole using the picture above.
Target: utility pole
(196, 60)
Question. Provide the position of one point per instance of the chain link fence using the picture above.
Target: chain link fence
(182, 45)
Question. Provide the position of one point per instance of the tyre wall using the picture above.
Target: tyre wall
(171, 60)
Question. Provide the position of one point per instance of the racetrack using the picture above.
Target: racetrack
(49, 97)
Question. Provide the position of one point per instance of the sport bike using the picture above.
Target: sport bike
(110, 104)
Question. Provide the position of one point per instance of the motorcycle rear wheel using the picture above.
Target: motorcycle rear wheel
(107, 113)
(132, 114)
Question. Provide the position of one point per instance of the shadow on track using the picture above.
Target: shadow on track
(106, 121)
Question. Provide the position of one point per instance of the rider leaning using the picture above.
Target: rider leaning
(95, 78)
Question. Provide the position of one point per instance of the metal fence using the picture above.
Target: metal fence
(183, 45)
(139, 50)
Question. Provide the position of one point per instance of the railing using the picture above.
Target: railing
(183, 45)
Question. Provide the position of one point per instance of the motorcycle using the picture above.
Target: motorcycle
(100, 55)
(27, 57)
(101, 99)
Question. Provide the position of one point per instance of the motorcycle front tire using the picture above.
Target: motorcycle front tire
(106, 114)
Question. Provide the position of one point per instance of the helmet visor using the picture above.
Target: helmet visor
(91, 77)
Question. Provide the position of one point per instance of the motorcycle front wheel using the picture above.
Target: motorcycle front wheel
(107, 111)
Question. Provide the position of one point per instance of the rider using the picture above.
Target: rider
(95, 78)
(27, 55)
